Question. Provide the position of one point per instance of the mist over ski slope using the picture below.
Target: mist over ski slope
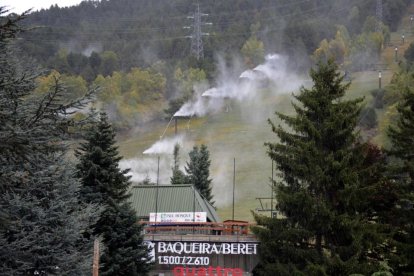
(238, 104)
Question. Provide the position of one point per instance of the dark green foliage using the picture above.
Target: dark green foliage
(198, 171)
(409, 54)
(77, 62)
(393, 11)
(280, 252)
(95, 61)
(140, 32)
(146, 181)
(379, 194)
(402, 136)
(173, 106)
(378, 95)
(402, 173)
(125, 253)
(45, 222)
(368, 118)
(105, 184)
(102, 180)
(323, 230)
(178, 177)
(41, 220)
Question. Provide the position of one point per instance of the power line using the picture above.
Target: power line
(305, 14)
(246, 11)
(135, 30)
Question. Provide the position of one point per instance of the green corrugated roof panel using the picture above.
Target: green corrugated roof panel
(171, 198)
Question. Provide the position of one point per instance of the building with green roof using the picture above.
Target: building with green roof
(191, 248)
(146, 199)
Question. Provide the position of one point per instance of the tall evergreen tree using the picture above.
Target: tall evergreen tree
(198, 171)
(41, 224)
(98, 168)
(104, 183)
(402, 173)
(321, 231)
(178, 177)
(125, 253)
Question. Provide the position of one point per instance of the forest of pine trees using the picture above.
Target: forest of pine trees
(126, 27)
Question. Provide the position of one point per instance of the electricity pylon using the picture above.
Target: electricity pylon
(378, 16)
(197, 48)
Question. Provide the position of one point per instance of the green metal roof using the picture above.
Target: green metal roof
(171, 198)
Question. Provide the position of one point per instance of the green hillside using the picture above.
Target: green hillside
(142, 63)
(239, 133)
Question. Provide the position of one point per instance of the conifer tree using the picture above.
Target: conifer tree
(104, 183)
(178, 177)
(98, 168)
(402, 173)
(41, 224)
(125, 253)
(320, 231)
(198, 171)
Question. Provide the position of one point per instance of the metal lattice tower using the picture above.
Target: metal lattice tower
(379, 16)
(197, 48)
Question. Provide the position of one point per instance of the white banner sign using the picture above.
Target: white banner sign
(179, 217)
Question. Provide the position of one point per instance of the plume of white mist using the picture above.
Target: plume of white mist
(273, 72)
(199, 106)
(165, 145)
(213, 93)
(93, 47)
(222, 175)
(146, 167)
(229, 86)
(274, 67)
(246, 87)
(253, 75)
(233, 89)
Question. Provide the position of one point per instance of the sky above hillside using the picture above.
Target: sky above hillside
(19, 6)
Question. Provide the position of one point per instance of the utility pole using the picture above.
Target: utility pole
(234, 185)
(156, 194)
(272, 192)
(197, 48)
(378, 14)
(95, 266)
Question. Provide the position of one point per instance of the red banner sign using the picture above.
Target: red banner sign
(209, 271)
